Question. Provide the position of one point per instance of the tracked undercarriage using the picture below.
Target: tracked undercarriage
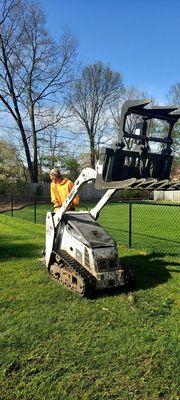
(71, 274)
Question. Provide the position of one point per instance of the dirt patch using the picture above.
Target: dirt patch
(5, 207)
(18, 205)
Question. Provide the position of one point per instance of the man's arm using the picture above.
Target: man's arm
(54, 198)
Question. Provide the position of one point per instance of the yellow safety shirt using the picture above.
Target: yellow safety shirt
(59, 192)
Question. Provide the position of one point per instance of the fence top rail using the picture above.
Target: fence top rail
(149, 202)
(115, 200)
(20, 196)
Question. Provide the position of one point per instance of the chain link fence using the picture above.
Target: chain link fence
(134, 224)
(25, 207)
(144, 225)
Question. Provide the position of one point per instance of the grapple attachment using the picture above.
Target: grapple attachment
(135, 161)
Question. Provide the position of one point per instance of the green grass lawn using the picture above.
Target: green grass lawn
(58, 346)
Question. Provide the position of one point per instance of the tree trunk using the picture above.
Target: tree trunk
(16, 113)
(92, 150)
(27, 152)
(34, 143)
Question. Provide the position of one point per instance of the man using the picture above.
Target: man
(60, 188)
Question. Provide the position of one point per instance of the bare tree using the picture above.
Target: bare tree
(51, 150)
(34, 72)
(174, 94)
(70, 166)
(90, 99)
(11, 164)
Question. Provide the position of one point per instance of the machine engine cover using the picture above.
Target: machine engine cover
(84, 228)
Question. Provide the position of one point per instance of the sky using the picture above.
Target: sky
(139, 38)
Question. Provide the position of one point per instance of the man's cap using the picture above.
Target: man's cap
(55, 172)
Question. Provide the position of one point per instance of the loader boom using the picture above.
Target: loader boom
(101, 203)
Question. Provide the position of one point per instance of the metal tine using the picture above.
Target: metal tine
(148, 183)
(164, 186)
(137, 182)
(128, 184)
(156, 185)
(160, 184)
(114, 184)
(175, 185)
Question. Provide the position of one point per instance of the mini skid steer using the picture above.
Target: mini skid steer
(80, 254)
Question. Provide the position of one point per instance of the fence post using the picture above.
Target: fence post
(35, 210)
(12, 206)
(130, 224)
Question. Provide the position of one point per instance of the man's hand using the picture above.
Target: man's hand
(71, 208)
